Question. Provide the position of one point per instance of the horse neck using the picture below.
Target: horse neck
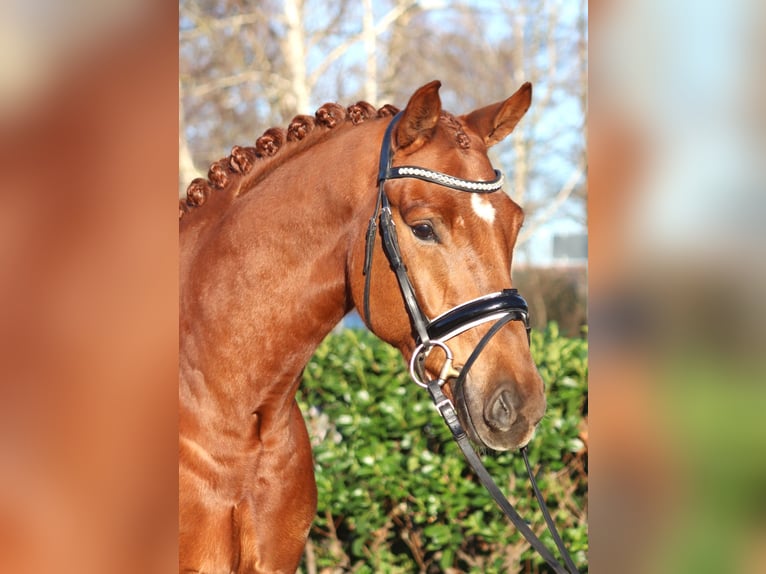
(265, 279)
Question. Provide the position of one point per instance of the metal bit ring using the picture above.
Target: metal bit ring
(419, 356)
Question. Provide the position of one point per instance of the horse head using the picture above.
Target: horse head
(455, 235)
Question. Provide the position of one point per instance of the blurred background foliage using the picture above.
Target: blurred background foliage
(555, 293)
(395, 493)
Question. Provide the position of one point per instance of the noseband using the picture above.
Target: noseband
(502, 308)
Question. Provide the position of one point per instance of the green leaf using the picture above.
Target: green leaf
(387, 469)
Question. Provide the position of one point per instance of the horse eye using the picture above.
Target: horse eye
(424, 231)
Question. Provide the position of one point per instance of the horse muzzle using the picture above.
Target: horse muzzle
(500, 421)
(503, 420)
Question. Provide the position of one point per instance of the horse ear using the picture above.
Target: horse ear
(419, 119)
(496, 121)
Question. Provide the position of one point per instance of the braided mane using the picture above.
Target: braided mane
(243, 160)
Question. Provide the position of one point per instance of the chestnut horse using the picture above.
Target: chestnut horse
(275, 258)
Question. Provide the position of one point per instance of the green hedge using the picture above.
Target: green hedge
(395, 493)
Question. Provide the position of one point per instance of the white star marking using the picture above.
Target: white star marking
(483, 208)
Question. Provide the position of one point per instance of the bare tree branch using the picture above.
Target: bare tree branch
(340, 50)
(186, 168)
(550, 209)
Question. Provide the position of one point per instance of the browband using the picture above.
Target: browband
(385, 171)
(447, 180)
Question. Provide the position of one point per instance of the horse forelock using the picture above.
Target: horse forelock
(273, 148)
(454, 126)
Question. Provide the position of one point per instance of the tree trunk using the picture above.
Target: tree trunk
(295, 57)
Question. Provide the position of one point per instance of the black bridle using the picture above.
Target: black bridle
(502, 308)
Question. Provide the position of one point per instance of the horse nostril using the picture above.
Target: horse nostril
(501, 414)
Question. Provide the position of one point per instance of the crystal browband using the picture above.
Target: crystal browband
(447, 180)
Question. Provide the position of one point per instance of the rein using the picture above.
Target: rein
(502, 308)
